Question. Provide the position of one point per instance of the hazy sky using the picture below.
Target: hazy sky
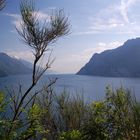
(96, 25)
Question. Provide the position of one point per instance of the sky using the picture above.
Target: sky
(95, 26)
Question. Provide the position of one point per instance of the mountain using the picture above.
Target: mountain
(26, 63)
(123, 61)
(12, 66)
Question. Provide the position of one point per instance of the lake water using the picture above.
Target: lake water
(92, 87)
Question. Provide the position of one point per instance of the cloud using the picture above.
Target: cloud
(87, 32)
(27, 55)
(69, 63)
(100, 47)
(112, 19)
(16, 18)
(124, 7)
(123, 10)
(107, 46)
(107, 18)
(73, 62)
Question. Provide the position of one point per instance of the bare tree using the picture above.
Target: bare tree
(38, 36)
(2, 4)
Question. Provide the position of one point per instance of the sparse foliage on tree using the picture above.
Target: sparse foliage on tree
(2, 4)
(25, 114)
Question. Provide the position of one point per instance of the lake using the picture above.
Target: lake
(92, 87)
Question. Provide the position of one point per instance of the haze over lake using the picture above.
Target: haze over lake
(92, 87)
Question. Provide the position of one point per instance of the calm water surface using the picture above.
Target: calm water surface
(91, 87)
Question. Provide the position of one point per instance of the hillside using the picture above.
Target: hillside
(123, 61)
(12, 66)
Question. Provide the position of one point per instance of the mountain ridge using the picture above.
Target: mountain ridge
(12, 66)
(123, 61)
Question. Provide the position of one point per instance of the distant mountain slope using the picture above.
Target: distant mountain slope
(123, 61)
(26, 63)
(12, 66)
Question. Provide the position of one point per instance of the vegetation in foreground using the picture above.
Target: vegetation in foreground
(61, 117)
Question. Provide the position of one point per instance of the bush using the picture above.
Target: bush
(113, 118)
(61, 117)
(70, 135)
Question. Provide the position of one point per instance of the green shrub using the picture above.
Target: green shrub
(70, 135)
(62, 117)
(64, 114)
(116, 117)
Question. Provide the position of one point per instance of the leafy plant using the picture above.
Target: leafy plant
(70, 135)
